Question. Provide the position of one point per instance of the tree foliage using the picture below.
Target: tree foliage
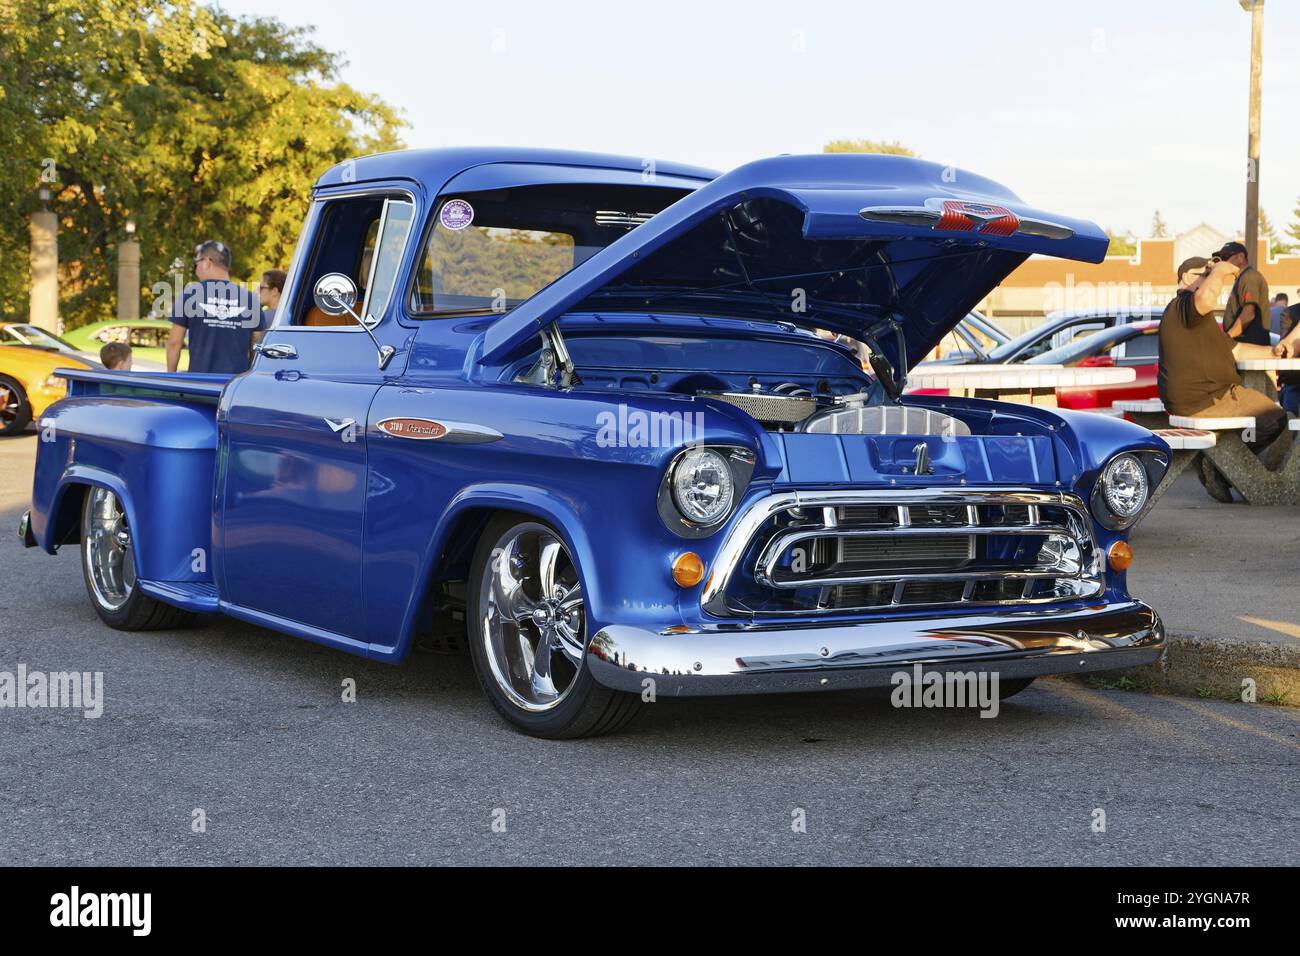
(868, 146)
(1121, 243)
(189, 122)
(1276, 245)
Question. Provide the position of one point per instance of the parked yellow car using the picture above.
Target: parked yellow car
(28, 384)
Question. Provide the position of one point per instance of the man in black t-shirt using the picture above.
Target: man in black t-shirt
(222, 318)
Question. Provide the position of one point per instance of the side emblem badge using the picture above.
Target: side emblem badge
(422, 429)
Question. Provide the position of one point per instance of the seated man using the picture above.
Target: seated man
(1198, 363)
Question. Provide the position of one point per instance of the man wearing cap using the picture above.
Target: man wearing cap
(1244, 318)
(1198, 363)
(222, 318)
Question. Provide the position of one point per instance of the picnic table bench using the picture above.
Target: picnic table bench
(1219, 440)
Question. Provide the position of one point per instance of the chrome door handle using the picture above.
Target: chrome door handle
(275, 351)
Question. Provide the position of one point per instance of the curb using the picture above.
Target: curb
(1215, 668)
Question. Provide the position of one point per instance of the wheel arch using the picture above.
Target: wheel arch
(69, 500)
(459, 529)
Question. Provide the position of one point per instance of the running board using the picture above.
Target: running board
(198, 596)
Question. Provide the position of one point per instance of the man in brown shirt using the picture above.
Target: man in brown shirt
(1244, 318)
(1198, 365)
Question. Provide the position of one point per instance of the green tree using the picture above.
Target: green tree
(1276, 244)
(1121, 243)
(867, 146)
(189, 122)
(1159, 230)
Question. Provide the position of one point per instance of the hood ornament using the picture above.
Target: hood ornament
(923, 466)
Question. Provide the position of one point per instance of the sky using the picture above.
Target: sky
(1107, 110)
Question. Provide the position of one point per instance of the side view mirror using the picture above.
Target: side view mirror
(335, 294)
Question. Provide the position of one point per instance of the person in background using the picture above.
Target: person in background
(269, 291)
(1243, 316)
(1291, 317)
(1288, 382)
(1277, 314)
(222, 318)
(1197, 374)
(116, 356)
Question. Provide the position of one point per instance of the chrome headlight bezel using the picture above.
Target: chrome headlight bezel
(1153, 466)
(739, 462)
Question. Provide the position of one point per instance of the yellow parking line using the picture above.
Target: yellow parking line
(1279, 627)
(1213, 714)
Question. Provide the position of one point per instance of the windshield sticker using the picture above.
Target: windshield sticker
(456, 214)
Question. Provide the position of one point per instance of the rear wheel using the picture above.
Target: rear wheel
(15, 410)
(528, 635)
(108, 565)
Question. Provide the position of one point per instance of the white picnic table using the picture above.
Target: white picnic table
(1026, 384)
(1255, 372)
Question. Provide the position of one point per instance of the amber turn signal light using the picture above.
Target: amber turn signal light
(1121, 555)
(688, 569)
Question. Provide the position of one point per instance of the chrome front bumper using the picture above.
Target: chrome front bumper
(758, 659)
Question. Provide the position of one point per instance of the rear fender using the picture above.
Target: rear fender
(156, 457)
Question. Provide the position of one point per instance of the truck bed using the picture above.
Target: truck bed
(189, 385)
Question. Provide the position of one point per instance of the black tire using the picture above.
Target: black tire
(586, 708)
(15, 409)
(1214, 481)
(1013, 686)
(136, 611)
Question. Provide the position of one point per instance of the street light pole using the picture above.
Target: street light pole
(1256, 10)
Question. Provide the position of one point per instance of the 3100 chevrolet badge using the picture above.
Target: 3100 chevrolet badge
(587, 404)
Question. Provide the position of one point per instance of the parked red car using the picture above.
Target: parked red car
(1135, 346)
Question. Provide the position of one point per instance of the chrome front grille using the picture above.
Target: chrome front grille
(814, 552)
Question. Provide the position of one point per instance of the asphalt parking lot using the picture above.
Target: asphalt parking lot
(248, 727)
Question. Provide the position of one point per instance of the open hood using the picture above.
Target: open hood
(888, 250)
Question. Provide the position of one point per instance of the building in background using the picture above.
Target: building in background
(1045, 285)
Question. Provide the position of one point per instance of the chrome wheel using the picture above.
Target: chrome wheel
(110, 565)
(533, 623)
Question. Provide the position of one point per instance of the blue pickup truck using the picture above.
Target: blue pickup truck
(604, 412)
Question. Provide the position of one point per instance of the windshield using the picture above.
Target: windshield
(988, 333)
(489, 251)
(1098, 343)
(35, 335)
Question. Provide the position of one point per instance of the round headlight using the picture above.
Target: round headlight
(702, 486)
(1125, 486)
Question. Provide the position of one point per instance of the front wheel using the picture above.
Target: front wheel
(528, 635)
(15, 410)
(108, 565)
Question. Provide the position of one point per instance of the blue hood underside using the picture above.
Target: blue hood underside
(886, 250)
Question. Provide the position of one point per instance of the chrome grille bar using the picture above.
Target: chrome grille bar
(1076, 570)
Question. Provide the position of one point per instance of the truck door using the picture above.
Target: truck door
(292, 473)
